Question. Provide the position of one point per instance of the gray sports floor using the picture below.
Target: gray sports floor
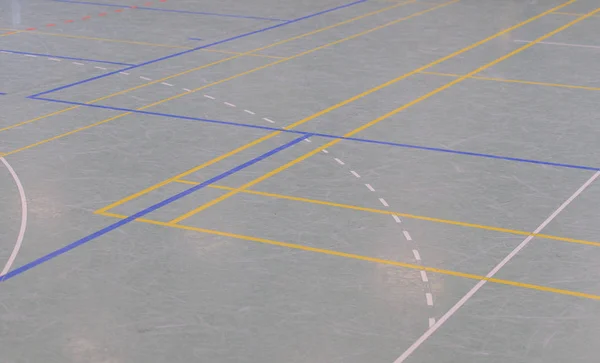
(299, 181)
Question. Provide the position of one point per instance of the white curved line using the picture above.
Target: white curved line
(19, 242)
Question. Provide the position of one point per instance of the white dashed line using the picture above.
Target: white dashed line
(384, 202)
(229, 104)
(145, 78)
(268, 120)
(429, 298)
(100, 68)
(187, 90)
(31, 55)
(407, 235)
(5, 52)
(431, 322)
(125, 73)
(325, 151)
(166, 84)
(355, 173)
(211, 97)
(370, 187)
(339, 161)
(54, 59)
(396, 218)
(308, 140)
(77, 63)
(424, 276)
(417, 255)
(250, 112)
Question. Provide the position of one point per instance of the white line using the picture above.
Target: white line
(502, 263)
(187, 90)
(407, 235)
(266, 119)
(370, 187)
(384, 202)
(166, 84)
(325, 151)
(431, 322)
(145, 78)
(250, 112)
(339, 161)
(355, 173)
(564, 44)
(308, 140)
(79, 64)
(54, 59)
(211, 97)
(417, 255)
(424, 276)
(229, 104)
(100, 68)
(30, 55)
(429, 298)
(125, 73)
(396, 218)
(5, 52)
(19, 242)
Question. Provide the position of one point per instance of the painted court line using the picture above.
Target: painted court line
(562, 44)
(240, 36)
(146, 211)
(23, 226)
(294, 131)
(54, 56)
(170, 10)
(491, 274)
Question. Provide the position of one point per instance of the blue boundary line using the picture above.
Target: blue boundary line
(142, 213)
(63, 57)
(330, 136)
(198, 48)
(3, 94)
(195, 39)
(172, 10)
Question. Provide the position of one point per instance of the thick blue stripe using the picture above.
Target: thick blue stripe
(171, 11)
(197, 48)
(329, 136)
(146, 211)
(63, 57)
(3, 94)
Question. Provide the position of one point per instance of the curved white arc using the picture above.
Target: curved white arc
(19, 242)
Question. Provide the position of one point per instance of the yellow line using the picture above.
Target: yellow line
(11, 33)
(400, 214)
(199, 68)
(377, 120)
(352, 99)
(546, 84)
(366, 258)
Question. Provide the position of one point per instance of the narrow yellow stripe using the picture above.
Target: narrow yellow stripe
(365, 258)
(546, 84)
(196, 69)
(400, 214)
(385, 116)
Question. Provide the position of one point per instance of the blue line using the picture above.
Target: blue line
(198, 48)
(3, 94)
(170, 10)
(62, 57)
(194, 39)
(146, 211)
(329, 136)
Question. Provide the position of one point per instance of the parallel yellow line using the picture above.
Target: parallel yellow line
(11, 33)
(546, 84)
(365, 258)
(381, 118)
(196, 69)
(400, 214)
(336, 106)
(268, 136)
(139, 43)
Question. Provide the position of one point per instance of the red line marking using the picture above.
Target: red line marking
(118, 10)
(68, 21)
(50, 24)
(163, 1)
(133, 6)
(86, 17)
(148, 3)
(101, 14)
(30, 29)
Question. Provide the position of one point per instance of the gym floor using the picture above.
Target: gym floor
(299, 181)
